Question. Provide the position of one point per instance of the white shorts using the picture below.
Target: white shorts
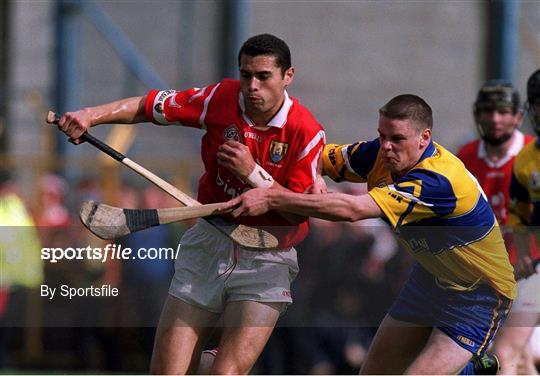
(528, 294)
(206, 275)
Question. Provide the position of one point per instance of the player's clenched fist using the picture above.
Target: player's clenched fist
(236, 157)
(75, 124)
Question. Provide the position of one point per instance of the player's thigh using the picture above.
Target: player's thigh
(394, 347)
(247, 327)
(441, 356)
(180, 336)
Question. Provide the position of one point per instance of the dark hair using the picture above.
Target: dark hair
(533, 93)
(409, 107)
(497, 93)
(533, 87)
(267, 44)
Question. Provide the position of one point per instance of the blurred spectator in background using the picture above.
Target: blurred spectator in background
(83, 327)
(87, 190)
(50, 208)
(21, 269)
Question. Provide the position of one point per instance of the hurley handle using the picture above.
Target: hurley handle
(53, 118)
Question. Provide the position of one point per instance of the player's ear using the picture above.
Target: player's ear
(519, 118)
(425, 137)
(288, 76)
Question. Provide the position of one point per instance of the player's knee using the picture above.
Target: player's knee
(508, 353)
(229, 368)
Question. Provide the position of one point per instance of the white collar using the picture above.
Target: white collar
(278, 120)
(513, 150)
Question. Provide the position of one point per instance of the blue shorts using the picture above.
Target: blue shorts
(470, 318)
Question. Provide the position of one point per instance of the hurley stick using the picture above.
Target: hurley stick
(109, 222)
(241, 234)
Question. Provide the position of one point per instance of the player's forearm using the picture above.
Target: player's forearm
(331, 206)
(291, 217)
(123, 111)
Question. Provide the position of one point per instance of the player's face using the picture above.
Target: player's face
(402, 144)
(263, 86)
(498, 124)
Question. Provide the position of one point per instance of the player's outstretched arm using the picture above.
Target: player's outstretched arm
(124, 111)
(237, 158)
(330, 206)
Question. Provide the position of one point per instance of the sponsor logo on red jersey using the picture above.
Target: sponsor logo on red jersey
(232, 133)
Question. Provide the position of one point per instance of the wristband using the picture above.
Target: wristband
(259, 178)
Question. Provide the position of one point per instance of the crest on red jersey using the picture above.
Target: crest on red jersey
(277, 150)
(231, 133)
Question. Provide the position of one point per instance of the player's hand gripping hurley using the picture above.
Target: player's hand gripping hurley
(109, 222)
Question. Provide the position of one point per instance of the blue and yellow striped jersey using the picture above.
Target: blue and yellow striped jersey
(438, 211)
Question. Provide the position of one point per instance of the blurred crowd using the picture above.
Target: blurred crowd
(349, 275)
(86, 333)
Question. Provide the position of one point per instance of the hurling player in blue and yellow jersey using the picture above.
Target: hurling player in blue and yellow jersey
(462, 285)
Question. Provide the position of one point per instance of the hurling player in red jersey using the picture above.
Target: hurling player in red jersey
(490, 159)
(256, 136)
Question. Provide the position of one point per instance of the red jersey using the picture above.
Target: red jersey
(288, 148)
(494, 178)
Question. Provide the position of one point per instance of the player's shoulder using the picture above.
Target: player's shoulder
(529, 139)
(221, 97)
(441, 167)
(227, 86)
(529, 153)
(300, 117)
(469, 150)
(532, 148)
(429, 178)
(230, 82)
